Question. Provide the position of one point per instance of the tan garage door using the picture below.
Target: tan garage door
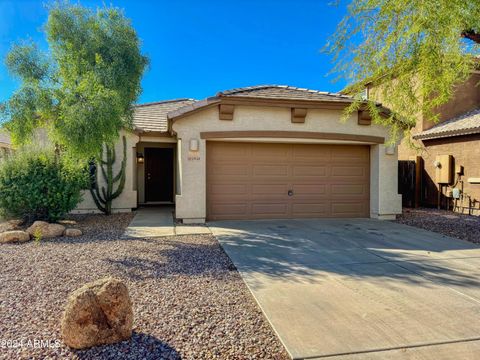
(269, 181)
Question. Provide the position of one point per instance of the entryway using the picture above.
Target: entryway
(159, 173)
(158, 221)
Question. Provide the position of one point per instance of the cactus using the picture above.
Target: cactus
(104, 197)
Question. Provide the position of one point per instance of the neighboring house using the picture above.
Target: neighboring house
(5, 144)
(258, 152)
(457, 133)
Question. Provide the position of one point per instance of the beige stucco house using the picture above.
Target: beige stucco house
(258, 152)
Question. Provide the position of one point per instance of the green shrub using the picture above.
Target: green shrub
(40, 185)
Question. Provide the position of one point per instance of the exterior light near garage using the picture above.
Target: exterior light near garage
(193, 145)
(140, 158)
(390, 150)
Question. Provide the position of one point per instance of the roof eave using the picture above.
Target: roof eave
(446, 134)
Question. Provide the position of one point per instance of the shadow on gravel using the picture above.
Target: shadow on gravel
(174, 257)
(140, 346)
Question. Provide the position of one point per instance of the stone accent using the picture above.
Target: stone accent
(98, 313)
(14, 236)
(46, 230)
(73, 232)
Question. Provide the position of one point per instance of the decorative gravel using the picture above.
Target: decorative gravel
(465, 227)
(189, 300)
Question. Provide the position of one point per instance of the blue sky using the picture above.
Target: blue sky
(197, 48)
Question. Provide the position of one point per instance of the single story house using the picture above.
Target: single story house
(258, 152)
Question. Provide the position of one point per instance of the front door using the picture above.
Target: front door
(159, 175)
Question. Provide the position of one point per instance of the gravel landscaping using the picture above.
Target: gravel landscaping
(460, 226)
(189, 301)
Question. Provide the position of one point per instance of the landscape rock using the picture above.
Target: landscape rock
(73, 232)
(7, 226)
(46, 230)
(14, 236)
(98, 313)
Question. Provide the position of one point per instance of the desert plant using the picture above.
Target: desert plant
(40, 184)
(105, 195)
(37, 236)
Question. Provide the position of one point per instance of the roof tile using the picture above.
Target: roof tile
(284, 92)
(153, 116)
(465, 124)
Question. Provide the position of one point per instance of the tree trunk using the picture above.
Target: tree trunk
(471, 35)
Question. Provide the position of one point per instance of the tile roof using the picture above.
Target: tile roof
(153, 116)
(284, 92)
(465, 124)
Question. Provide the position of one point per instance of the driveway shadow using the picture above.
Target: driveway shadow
(312, 250)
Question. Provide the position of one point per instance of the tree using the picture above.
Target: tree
(415, 51)
(103, 198)
(83, 88)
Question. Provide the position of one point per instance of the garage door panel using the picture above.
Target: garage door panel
(269, 189)
(311, 209)
(251, 180)
(304, 153)
(310, 170)
(348, 171)
(269, 171)
(232, 209)
(342, 153)
(347, 209)
(222, 169)
(349, 190)
(278, 152)
(270, 209)
(310, 190)
(232, 189)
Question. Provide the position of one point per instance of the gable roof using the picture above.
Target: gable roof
(284, 92)
(264, 92)
(465, 124)
(153, 116)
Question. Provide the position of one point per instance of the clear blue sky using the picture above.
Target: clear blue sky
(199, 47)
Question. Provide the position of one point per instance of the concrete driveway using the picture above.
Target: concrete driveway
(361, 288)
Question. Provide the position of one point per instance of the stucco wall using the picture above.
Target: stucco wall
(128, 199)
(191, 203)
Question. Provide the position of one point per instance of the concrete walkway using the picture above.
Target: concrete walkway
(360, 289)
(158, 222)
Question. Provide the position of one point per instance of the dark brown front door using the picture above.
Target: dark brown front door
(159, 175)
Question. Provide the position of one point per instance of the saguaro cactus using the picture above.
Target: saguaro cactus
(105, 195)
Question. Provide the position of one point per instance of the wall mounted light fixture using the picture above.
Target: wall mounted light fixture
(140, 158)
(390, 150)
(193, 146)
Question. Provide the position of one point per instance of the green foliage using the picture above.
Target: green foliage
(39, 184)
(104, 197)
(413, 49)
(37, 236)
(83, 89)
